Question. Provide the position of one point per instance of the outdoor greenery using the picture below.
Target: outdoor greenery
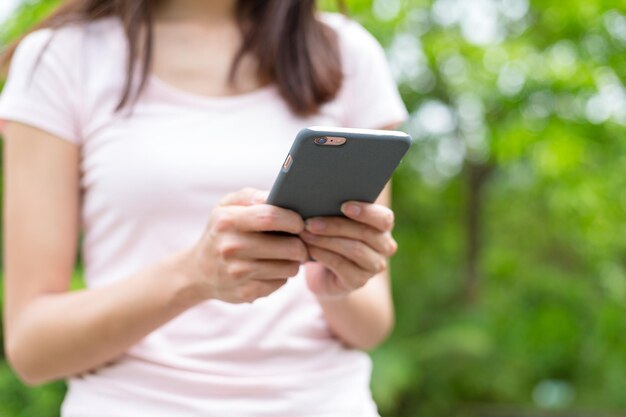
(510, 284)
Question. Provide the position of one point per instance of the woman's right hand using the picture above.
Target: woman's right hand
(235, 261)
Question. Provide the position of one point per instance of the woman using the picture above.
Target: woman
(151, 126)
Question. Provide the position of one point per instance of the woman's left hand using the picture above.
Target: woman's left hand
(348, 251)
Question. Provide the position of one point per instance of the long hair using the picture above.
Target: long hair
(293, 49)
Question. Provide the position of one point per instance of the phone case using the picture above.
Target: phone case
(319, 178)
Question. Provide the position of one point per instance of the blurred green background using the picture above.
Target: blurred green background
(510, 284)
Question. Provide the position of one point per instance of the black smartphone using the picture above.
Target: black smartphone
(328, 166)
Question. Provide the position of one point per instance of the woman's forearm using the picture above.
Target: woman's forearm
(364, 318)
(63, 334)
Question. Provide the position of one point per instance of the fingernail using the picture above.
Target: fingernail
(351, 210)
(315, 225)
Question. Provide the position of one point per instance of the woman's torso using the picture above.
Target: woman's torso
(149, 182)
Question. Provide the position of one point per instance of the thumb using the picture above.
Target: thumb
(245, 197)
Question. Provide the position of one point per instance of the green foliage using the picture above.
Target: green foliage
(533, 110)
(20, 401)
(510, 285)
(27, 16)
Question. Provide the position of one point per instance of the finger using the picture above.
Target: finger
(264, 246)
(322, 280)
(257, 289)
(349, 275)
(264, 218)
(341, 227)
(353, 250)
(245, 197)
(376, 215)
(262, 270)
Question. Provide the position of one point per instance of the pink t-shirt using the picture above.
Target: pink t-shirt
(149, 181)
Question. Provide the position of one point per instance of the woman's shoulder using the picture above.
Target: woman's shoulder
(67, 72)
(369, 96)
(69, 42)
(351, 35)
(46, 82)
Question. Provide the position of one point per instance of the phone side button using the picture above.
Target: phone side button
(288, 163)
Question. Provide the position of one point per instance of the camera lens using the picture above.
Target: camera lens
(321, 141)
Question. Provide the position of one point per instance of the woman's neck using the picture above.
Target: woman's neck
(209, 11)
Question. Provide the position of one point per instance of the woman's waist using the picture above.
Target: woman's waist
(232, 358)
(337, 384)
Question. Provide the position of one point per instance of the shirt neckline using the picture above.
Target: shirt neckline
(178, 94)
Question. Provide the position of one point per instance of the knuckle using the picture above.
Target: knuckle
(388, 245)
(229, 250)
(393, 246)
(381, 265)
(238, 270)
(389, 220)
(224, 221)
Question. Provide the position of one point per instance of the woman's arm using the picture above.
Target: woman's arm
(364, 317)
(51, 333)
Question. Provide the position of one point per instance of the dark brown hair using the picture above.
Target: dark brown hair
(293, 49)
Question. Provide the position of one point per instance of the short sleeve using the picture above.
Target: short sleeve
(42, 88)
(369, 97)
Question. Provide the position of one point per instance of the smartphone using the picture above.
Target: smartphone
(327, 166)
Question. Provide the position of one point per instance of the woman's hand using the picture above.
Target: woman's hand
(348, 251)
(235, 261)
